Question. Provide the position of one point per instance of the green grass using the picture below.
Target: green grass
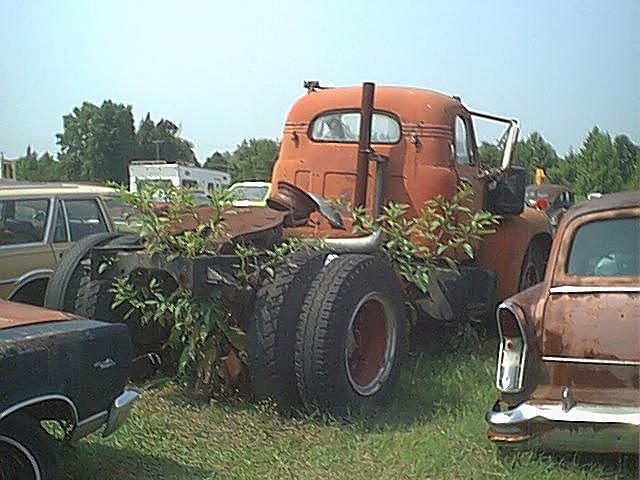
(433, 429)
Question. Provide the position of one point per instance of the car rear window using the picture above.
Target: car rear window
(344, 126)
(23, 221)
(606, 248)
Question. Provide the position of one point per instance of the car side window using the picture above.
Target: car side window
(60, 229)
(85, 218)
(463, 152)
(23, 221)
(606, 248)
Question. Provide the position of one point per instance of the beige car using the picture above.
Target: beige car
(38, 222)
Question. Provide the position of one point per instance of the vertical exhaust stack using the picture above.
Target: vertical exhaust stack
(364, 143)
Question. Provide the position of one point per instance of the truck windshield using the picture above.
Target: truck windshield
(606, 248)
(344, 126)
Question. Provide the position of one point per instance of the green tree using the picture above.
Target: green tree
(97, 142)
(490, 155)
(161, 140)
(565, 170)
(218, 161)
(598, 166)
(253, 159)
(34, 168)
(629, 158)
(535, 152)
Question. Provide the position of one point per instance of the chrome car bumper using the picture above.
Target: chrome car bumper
(554, 426)
(120, 411)
(114, 417)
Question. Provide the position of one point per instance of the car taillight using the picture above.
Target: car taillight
(512, 348)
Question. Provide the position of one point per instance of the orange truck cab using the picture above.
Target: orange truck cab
(428, 142)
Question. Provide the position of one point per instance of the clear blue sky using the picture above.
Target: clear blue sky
(230, 70)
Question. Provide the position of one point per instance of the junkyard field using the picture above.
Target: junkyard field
(433, 429)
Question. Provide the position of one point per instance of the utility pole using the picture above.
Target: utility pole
(158, 143)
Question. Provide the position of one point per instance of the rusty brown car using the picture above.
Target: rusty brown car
(569, 349)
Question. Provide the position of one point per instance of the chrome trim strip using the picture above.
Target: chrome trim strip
(36, 400)
(597, 361)
(594, 289)
(92, 418)
(87, 426)
(27, 277)
(519, 314)
(553, 412)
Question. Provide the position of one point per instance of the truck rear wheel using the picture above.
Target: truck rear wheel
(533, 267)
(352, 335)
(26, 450)
(272, 329)
(64, 283)
(94, 300)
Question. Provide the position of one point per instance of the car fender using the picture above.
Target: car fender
(504, 250)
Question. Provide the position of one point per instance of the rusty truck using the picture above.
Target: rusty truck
(329, 330)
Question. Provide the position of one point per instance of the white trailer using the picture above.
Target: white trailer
(162, 173)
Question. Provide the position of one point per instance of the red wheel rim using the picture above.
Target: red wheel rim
(370, 348)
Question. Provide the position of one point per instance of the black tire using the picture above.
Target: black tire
(64, 283)
(327, 375)
(533, 267)
(271, 330)
(27, 452)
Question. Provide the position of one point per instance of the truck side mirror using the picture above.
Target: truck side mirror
(507, 196)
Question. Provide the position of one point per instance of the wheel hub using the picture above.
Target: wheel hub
(370, 345)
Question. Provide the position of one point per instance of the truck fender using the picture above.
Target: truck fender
(504, 250)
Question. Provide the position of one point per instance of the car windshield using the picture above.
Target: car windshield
(341, 126)
(252, 193)
(606, 248)
(23, 221)
(534, 194)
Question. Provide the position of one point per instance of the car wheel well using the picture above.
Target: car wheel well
(543, 240)
(31, 292)
(56, 409)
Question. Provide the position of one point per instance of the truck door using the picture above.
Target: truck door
(466, 160)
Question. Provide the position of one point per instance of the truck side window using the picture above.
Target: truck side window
(463, 152)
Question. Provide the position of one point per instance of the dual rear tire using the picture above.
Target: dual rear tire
(336, 335)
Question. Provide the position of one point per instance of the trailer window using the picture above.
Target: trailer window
(341, 126)
(154, 184)
(189, 184)
(606, 248)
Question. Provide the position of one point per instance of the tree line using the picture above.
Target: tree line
(601, 164)
(98, 142)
